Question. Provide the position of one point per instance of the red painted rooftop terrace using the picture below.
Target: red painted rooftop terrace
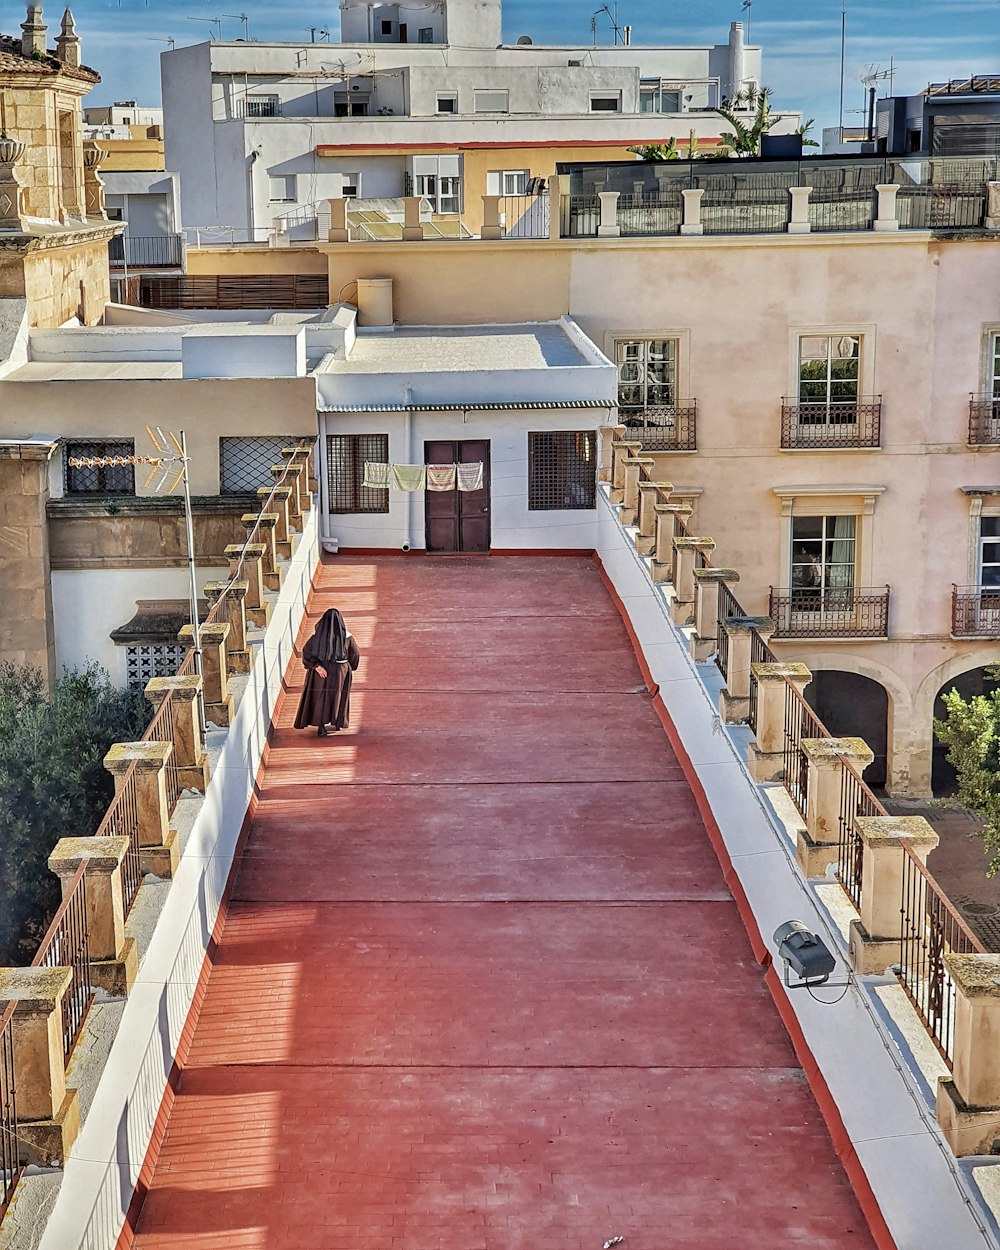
(480, 982)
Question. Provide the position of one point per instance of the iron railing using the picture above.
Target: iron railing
(984, 419)
(10, 1155)
(650, 214)
(145, 251)
(760, 653)
(841, 210)
(931, 929)
(121, 820)
(728, 607)
(822, 424)
(745, 211)
(524, 216)
(67, 945)
(673, 428)
(161, 729)
(581, 215)
(975, 611)
(855, 800)
(800, 722)
(956, 206)
(812, 612)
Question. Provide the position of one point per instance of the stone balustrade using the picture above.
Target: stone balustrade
(214, 670)
(189, 757)
(142, 765)
(766, 757)
(734, 701)
(705, 640)
(968, 1102)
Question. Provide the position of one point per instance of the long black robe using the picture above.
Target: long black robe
(330, 657)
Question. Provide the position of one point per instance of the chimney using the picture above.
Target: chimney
(736, 70)
(33, 36)
(68, 43)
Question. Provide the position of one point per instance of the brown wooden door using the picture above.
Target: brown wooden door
(458, 520)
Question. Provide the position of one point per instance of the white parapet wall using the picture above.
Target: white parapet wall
(888, 1121)
(103, 1167)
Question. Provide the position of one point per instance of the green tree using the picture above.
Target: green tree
(970, 729)
(53, 784)
(657, 151)
(803, 130)
(746, 134)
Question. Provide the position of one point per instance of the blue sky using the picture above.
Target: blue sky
(929, 40)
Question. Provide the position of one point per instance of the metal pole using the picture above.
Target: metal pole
(192, 580)
(843, 41)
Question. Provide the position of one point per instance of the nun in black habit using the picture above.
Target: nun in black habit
(330, 657)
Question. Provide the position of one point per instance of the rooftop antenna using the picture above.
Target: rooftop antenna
(748, 8)
(215, 21)
(170, 41)
(843, 47)
(612, 17)
(318, 30)
(241, 17)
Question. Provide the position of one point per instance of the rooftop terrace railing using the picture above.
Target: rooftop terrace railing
(66, 944)
(11, 1166)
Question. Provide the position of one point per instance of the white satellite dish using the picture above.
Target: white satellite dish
(524, 40)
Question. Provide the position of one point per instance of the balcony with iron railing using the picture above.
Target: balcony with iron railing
(160, 251)
(975, 611)
(984, 420)
(831, 424)
(811, 612)
(662, 427)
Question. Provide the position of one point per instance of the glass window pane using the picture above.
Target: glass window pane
(989, 526)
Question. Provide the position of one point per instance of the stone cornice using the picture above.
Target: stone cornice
(50, 237)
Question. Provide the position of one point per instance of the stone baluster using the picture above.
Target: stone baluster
(234, 595)
(691, 222)
(608, 227)
(992, 218)
(886, 213)
(265, 524)
(968, 1102)
(114, 958)
(249, 561)
(93, 183)
(491, 218)
(13, 202)
(558, 197)
(620, 452)
(189, 756)
(48, 1113)
(338, 232)
(816, 844)
(665, 523)
(276, 498)
(214, 672)
(798, 216)
(301, 457)
(685, 554)
(649, 496)
(734, 700)
(289, 477)
(413, 231)
(608, 434)
(631, 472)
(705, 639)
(158, 849)
(766, 758)
(875, 938)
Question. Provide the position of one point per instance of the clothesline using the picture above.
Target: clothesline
(410, 477)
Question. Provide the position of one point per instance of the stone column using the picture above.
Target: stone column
(276, 500)
(632, 469)
(234, 610)
(886, 212)
(691, 223)
(685, 554)
(338, 232)
(816, 845)
(114, 958)
(302, 457)
(218, 700)
(27, 634)
(766, 757)
(249, 561)
(663, 542)
(289, 477)
(158, 849)
(621, 450)
(704, 640)
(413, 232)
(798, 217)
(48, 1114)
(189, 756)
(491, 218)
(608, 434)
(13, 205)
(93, 183)
(649, 493)
(968, 1102)
(264, 523)
(607, 227)
(992, 219)
(874, 939)
(734, 700)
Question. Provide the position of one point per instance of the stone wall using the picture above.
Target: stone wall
(26, 627)
(32, 116)
(133, 535)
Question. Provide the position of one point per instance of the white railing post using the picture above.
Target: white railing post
(798, 219)
(691, 223)
(885, 218)
(608, 227)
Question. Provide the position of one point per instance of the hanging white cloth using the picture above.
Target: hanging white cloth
(409, 477)
(376, 476)
(470, 476)
(440, 477)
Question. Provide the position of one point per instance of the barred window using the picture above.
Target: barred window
(346, 456)
(562, 470)
(116, 479)
(143, 661)
(245, 463)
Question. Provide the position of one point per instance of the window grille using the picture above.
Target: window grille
(262, 106)
(116, 479)
(245, 463)
(144, 661)
(346, 455)
(562, 470)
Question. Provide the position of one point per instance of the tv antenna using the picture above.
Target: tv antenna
(318, 30)
(214, 21)
(748, 8)
(170, 41)
(613, 18)
(241, 17)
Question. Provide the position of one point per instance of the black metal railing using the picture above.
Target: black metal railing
(975, 611)
(67, 945)
(745, 211)
(931, 929)
(823, 424)
(760, 653)
(728, 607)
(524, 216)
(855, 800)
(800, 722)
(650, 214)
(146, 251)
(10, 1160)
(581, 215)
(855, 612)
(984, 419)
(121, 820)
(841, 210)
(956, 206)
(663, 428)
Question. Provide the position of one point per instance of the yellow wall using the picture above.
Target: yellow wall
(31, 116)
(124, 155)
(60, 280)
(255, 260)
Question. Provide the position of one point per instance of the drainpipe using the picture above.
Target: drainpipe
(250, 212)
(408, 523)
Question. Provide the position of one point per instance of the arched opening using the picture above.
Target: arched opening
(852, 706)
(967, 684)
